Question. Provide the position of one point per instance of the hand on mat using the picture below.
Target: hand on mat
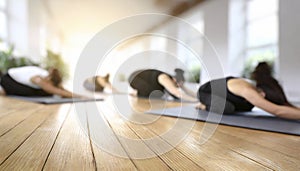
(80, 96)
(132, 94)
(200, 106)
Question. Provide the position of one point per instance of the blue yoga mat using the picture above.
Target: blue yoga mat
(55, 100)
(256, 119)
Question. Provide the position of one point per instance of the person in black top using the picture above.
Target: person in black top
(230, 94)
(215, 93)
(153, 83)
(269, 85)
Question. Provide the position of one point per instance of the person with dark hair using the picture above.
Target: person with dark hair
(269, 85)
(33, 81)
(98, 84)
(154, 83)
(230, 94)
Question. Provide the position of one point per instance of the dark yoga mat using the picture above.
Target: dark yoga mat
(256, 119)
(55, 100)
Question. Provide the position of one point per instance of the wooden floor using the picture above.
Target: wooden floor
(61, 137)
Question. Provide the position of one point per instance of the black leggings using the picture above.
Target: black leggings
(12, 87)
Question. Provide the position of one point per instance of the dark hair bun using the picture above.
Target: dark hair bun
(55, 77)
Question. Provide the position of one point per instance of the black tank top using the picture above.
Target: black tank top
(149, 76)
(240, 103)
(218, 86)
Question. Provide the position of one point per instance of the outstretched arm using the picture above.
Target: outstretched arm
(106, 84)
(49, 88)
(188, 91)
(244, 89)
(169, 84)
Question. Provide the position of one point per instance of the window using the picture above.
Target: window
(194, 42)
(2, 4)
(261, 33)
(3, 20)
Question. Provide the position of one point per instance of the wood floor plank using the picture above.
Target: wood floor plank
(267, 149)
(36, 137)
(72, 150)
(14, 118)
(107, 161)
(226, 158)
(214, 155)
(32, 154)
(108, 150)
(266, 156)
(10, 141)
(8, 102)
(174, 159)
(133, 145)
(10, 105)
(209, 156)
(286, 144)
(169, 154)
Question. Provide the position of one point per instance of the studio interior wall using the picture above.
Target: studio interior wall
(27, 16)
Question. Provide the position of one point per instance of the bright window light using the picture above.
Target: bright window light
(265, 53)
(257, 9)
(3, 26)
(2, 4)
(263, 32)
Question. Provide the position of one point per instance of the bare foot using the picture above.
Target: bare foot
(200, 106)
(2, 93)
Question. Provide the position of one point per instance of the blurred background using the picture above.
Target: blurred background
(242, 32)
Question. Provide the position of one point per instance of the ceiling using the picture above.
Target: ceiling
(73, 16)
(77, 16)
(78, 21)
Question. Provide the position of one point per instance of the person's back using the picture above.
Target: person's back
(24, 74)
(155, 83)
(146, 81)
(34, 81)
(18, 81)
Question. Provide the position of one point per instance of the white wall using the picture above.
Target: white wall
(215, 57)
(237, 41)
(25, 20)
(289, 47)
(18, 24)
(34, 24)
(81, 20)
(26, 16)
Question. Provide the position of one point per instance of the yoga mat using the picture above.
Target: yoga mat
(169, 99)
(55, 100)
(256, 119)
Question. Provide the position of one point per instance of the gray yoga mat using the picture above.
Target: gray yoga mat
(55, 100)
(256, 119)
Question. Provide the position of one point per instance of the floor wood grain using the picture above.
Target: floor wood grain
(101, 136)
